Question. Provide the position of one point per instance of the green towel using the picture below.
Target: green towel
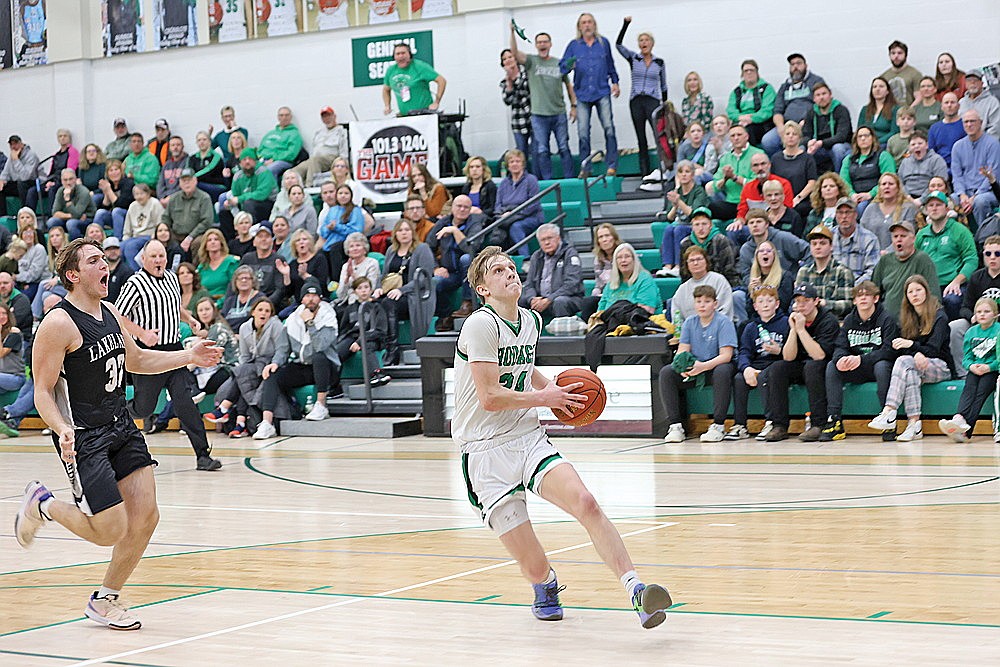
(683, 362)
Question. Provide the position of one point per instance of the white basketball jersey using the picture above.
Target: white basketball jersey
(282, 20)
(233, 26)
(511, 345)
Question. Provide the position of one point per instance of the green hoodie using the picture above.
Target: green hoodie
(143, 168)
(713, 232)
(281, 143)
(259, 186)
(745, 102)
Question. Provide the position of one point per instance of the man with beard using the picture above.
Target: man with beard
(793, 102)
(170, 175)
(904, 80)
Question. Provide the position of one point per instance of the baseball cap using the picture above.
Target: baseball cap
(119, 121)
(940, 196)
(847, 201)
(111, 242)
(249, 153)
(793, 56)
(978, 73)
(701, 210)
(819, 230)
(187, 172)
(806, 290)
(311, 286)
(260, 227)
(14, 139)
(162, 124)
(905, 224)
(325, 110)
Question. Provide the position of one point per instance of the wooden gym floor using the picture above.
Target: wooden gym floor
(321, 551)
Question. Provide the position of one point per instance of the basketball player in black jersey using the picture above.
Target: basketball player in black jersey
(79, 363)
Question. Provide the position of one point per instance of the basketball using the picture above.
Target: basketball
(592, 388)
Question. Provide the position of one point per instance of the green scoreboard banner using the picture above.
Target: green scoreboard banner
(372, 55)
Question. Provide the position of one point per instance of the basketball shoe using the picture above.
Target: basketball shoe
(112, 611)
(651, 603)
(547, 606)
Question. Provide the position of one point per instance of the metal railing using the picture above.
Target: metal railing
(588, 183)
(516, 214)
(366, 372)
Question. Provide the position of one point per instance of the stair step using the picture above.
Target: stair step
(395, 390)
(403, 371)
(410, 357)
(367, 427)
(345, 406)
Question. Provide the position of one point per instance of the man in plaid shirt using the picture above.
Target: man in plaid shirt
(514, 88)
(832, 280)
(853, 246)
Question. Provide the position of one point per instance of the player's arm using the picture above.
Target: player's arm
(495, 397)
(151, 362)
(53, 340)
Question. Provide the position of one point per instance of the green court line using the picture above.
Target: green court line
(66, 657)
(488, 597)
(525, 605)
(138, 606)
(880, 614)
(676, 605)
(319, 588)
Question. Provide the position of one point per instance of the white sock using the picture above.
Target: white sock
(105, 592)
(551, 578)
(43, 508)
(630, 580)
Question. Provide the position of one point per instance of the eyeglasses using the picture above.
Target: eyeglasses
(991, 253)
(414, 208)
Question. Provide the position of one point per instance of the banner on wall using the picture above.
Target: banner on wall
(382, 150)
(175, 23)
(277, 17)
(227, 20)
(122, 30)
(6, 37)
(30, 32)
(330, 14)
(371, 56)
(374, 12)
(431, 9)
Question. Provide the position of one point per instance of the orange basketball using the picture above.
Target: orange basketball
(592, 388)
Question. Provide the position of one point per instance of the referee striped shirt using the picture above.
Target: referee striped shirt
(153, 303)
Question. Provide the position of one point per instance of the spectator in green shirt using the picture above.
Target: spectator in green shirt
(141, 165)
(74, 206)
(410, 79)
(953, 250)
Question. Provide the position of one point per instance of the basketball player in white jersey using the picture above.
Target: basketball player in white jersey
(79, 361)
(505, 450)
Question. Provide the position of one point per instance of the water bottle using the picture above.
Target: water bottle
(310, 401)
(678, 322)
(765, 335)
(808, 424)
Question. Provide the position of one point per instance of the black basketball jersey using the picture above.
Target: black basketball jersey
(91, 387)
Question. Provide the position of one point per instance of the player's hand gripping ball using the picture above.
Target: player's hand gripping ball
(592, 388)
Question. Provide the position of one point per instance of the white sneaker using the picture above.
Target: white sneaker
(665, 272)
(762, 436)
(955, 428)
(675, 434)
(885, 421)
(198, 398)
(654, 176)
(715, 433)
(651, 187)
(996, 437)
(112, 612)
(318, 413)
(264, 431)
(737, 432)
(913, 431)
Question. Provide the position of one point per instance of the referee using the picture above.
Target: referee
(150, 305)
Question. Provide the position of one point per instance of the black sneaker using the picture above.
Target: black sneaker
(834, 430)
(208, 463)
(336, 392)
(889, 436)
(157, 427)
(379, 378)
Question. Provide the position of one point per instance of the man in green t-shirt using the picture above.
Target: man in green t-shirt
(548, 110)
(410, 79)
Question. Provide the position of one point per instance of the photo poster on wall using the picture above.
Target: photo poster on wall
(227, 20)
(374, 12)
(991, 78)
(382, 151)
(175, 23)
(122, 30)
(274, 18)
(6, 37)
(29, 32)
(432, 9)
(329, 14)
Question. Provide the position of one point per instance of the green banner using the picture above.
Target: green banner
(372, 55)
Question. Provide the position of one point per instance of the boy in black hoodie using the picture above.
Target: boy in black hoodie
(812, 335)
(863, 353)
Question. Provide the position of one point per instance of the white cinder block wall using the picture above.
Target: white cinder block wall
(846, 42)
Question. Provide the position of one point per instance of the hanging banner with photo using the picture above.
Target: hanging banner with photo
(431, 9)
(330, 14)
(30, 33)
(6, 37)
(175, 23)
(382, 150)
(373, 12)
(277, 17)
(122, 29)
(371, 56)
(227, 20)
